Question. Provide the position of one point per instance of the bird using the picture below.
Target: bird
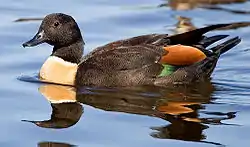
(151, 59)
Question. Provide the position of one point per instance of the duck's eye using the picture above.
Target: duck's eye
(56, 24)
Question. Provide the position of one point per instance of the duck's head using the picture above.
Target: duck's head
(62, 32)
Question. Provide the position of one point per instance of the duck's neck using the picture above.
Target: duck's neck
(61, 66)
(70, 53)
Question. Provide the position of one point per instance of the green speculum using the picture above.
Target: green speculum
(167, 70)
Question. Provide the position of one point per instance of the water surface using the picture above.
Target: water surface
(212, 114)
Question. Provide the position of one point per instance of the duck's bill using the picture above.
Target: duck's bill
(36, 40)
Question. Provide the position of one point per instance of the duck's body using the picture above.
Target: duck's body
(142, 60)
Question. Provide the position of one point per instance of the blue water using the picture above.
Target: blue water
(217, 114)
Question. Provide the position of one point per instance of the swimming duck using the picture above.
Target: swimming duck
(154, 59)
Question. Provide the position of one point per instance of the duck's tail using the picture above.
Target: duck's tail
(207, 66)
(206, 41)
(227, 45)
(201, 70)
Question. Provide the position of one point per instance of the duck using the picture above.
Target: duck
(151, 59)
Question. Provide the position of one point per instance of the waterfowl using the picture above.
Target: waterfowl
(154, 59)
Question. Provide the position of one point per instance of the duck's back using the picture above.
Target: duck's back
(149, 39)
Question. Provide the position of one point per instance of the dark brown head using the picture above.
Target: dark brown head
(61, 31)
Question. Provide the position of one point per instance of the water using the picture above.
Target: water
(214, 114)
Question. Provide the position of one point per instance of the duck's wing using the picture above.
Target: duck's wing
(192, 38)
(122, 66)
(200, 70)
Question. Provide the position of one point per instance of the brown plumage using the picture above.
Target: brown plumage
(133, 61)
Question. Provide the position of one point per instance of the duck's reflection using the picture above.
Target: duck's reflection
(206, 4)
(63, 115)
(54, 144)
(180, 130)
(188, 129)
(65, 110)
(181, 106)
